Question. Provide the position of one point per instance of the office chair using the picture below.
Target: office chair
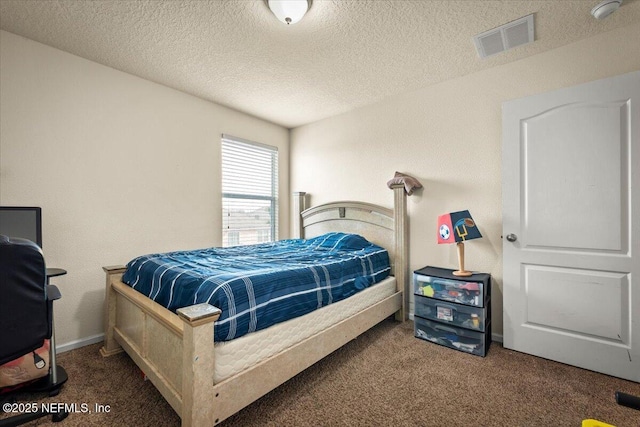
(26, 328)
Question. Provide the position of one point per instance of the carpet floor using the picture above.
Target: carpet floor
(385, 377)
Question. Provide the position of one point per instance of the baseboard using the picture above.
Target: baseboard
(100, 337)
(79, 343)
(494, 337)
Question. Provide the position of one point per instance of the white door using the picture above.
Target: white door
(571, 225)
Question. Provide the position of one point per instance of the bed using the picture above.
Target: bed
(204, 382)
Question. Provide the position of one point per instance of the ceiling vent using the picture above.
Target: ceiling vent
(505, 37)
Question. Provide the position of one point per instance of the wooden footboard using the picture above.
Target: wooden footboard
(177, 352)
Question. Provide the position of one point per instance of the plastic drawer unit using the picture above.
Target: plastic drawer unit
(459, 338)
(466, 292)
(453, 311)
(464, 316)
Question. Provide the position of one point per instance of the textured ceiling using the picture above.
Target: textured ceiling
(344, 54)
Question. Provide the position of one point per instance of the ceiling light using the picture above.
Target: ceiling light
(605, 8)
(289, 11)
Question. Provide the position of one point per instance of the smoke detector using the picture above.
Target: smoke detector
(605, 8)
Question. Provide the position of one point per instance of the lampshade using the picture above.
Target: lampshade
(289, 11)
(458, 227)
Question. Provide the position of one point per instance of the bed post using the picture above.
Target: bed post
(198, 407)
(401, 266)
(110, 346)
(299, 204)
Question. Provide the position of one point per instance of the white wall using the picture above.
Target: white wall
(120, 166)
(449, 136)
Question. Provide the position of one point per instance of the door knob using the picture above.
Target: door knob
(512, 237)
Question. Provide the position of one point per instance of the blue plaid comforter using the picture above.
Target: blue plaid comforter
(260, 285)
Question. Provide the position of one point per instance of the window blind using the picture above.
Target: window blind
(249, 192)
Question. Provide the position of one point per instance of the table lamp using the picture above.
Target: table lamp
(457, 227)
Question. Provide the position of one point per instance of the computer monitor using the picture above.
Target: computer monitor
(23, 222)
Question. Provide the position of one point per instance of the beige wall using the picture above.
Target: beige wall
(449, 136)
(103, 151)
(120, 166)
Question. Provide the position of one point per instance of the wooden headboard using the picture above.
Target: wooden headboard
(383, 226)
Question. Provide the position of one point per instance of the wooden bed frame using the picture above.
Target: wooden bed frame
(176, 351)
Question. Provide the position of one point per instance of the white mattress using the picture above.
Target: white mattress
(236, 355)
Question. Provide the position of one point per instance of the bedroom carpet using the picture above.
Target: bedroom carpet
(385, 377)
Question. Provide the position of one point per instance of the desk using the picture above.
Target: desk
(54, 272)
(57, 373)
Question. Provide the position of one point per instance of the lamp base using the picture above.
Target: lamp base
(462, 273)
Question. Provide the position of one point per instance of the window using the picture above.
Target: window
(249, 192)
